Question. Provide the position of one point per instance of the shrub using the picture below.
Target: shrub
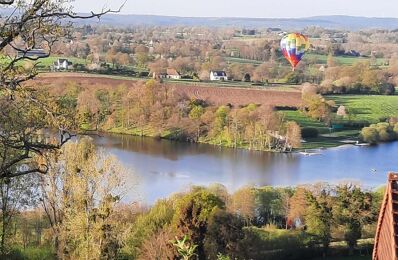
(369, 135)
(269, 243)
(309, 132)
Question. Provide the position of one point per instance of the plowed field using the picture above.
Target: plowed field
(211, 93)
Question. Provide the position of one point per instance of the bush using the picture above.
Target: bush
(309, 132)
(272, 243)
(30, 253)
(143, 74)
(387, 89)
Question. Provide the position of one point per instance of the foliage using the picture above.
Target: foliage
(319, 218)
(26, 113)
(193, 212)
(184, 248)
(352, 209)
(271, 243)
(79, 195)
(147, 225)
(16, 195)
(381, 132)
(154, 109)
(272, 206)
(224, 232)
(242, 203)
(309, 132)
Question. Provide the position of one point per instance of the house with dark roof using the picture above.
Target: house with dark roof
(62, 64)
(218, 75)
(386, 239)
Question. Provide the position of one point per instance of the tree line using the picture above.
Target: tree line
(154, 109)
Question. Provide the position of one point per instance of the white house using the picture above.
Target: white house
(62, 64)
(218, 75)
(173, 74)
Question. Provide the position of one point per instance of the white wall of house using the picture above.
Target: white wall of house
(214, 77)
(174, 76)
(62, 65)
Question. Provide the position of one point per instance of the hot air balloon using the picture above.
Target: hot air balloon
(293, 47)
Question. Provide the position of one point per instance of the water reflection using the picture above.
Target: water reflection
(164, 167)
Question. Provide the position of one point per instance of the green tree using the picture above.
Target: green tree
(223, 235)
(370, 135)
(147, 225)
(352, 209)
(192, 215)
(319, 218)
(16, 194)
(195, 114)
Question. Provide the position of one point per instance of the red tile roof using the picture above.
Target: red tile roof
(172, 72)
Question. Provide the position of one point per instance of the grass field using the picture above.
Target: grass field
(369, 108)
(343, 60)
(326, 138)
(243, 61)
(321, 59)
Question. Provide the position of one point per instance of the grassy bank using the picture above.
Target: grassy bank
(327, 138)
(170, 135)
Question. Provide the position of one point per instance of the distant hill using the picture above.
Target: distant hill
(332, 22)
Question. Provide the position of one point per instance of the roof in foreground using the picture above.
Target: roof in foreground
(386, 240)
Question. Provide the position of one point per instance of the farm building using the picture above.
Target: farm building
(62, 64)
(386, 239)
(159, 75)
(218, 75)
(173, 74)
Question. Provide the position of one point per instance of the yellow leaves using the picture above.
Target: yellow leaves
(91, 183)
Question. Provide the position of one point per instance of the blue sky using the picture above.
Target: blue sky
(248, 8)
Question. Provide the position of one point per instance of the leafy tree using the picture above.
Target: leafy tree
(16, 194)
(272, 206)
(79, 194)
(319, 218)
(370, 135)
(293, 135)
(192, 216)
(242, 203)
(224, 232)
(31, 25)
(352, 209)
(147, 225)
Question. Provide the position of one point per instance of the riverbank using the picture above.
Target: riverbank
(335, 140)
(174, 136)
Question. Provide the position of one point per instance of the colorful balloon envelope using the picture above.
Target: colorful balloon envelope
(293, 47)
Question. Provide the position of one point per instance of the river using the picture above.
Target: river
(161, 167)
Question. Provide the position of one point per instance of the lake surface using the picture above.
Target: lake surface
(164, 167)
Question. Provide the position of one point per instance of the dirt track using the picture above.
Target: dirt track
(213, 94)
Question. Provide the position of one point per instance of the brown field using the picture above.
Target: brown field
(212, 94)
